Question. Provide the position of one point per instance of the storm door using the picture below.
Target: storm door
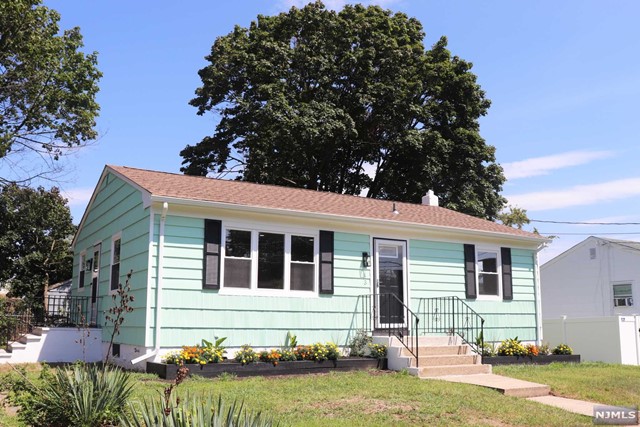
(390, 280)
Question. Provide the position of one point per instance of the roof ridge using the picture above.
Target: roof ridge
(330, 193)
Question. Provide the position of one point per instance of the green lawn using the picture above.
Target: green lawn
(596, 382)
(375, 398)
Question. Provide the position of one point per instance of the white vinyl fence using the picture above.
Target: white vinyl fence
(612, 339)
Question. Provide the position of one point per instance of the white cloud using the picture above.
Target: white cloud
(580, 195)
(78, 196)
(544, 165)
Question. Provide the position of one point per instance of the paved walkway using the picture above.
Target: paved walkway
(518, 388)
(507, 386)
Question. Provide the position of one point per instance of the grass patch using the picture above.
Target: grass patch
(363, 399)
(367, 398)
(596, 382)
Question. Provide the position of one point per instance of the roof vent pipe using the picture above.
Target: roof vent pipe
(430, 199)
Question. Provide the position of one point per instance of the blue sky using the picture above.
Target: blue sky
(562, 76)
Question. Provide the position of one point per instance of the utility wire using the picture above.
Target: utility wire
(545, 233)
(584, 223)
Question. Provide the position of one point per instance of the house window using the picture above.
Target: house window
(237, 259)
(82, 272)
(115, 263)
(302, 265)
(622, 295)
(269, 261)
(488, 275)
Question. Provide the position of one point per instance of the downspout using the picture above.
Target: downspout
(538, 294)
(159, 274)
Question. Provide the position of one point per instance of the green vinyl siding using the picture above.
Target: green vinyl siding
(117, 207)
(190, 313)
(436, 269)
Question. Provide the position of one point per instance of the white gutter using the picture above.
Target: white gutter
(538, 293)
(159, 274)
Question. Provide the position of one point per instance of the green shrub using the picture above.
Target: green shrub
(81, 395)
(562, 349)
(512, 347)
(359, 344)
(199, 411)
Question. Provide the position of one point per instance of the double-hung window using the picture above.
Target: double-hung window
(115, 263)
(269, 261)
(622, 295)
(488, 273)
(82, 270)
(237, 259)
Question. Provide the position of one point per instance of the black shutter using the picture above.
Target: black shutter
(211, 262)
(470, 271)
(507, 280)
(326, 262)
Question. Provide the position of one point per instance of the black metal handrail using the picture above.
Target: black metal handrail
(15, 326)
(452, 316)
(59, 311)
(389, 314)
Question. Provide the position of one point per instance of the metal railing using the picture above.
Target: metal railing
(452, 316)
(58, 311)
(15, 326)
(387, 313)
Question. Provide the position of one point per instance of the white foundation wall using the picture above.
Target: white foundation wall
(611, 339)
(59, 345)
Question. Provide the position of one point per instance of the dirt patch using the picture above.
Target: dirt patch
(11, 411)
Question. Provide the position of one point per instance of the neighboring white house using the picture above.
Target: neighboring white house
(596, 277)
(591, 300)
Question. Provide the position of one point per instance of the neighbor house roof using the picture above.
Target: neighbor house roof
(198, 188)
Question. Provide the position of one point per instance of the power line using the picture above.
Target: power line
(545, 233)
(584, 223)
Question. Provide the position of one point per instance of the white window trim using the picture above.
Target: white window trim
(287, 232)
(613, 297)
(82, 265)
(497, 251)
(115, 237)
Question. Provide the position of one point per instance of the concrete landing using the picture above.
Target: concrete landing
(507, 386)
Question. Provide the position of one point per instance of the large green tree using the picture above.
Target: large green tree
(47, 91)
(35, 240)
(346, 101)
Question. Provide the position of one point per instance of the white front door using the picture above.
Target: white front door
(390, 273)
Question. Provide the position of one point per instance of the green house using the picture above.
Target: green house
(214, 258)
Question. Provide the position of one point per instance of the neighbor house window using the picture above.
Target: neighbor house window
(83, 271)
(237, 259)
(488, 275)
(115, 263)
(264, 260)
(622, 295)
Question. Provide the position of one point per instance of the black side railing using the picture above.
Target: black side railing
(390, 316)
(64, 310)
(452, 316)
(58, 311)
(14, 326)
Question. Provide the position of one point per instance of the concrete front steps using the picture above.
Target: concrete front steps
(448, 358)
(438, 356)
(18, 351)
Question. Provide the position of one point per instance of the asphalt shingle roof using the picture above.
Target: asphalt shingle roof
(242, 193)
